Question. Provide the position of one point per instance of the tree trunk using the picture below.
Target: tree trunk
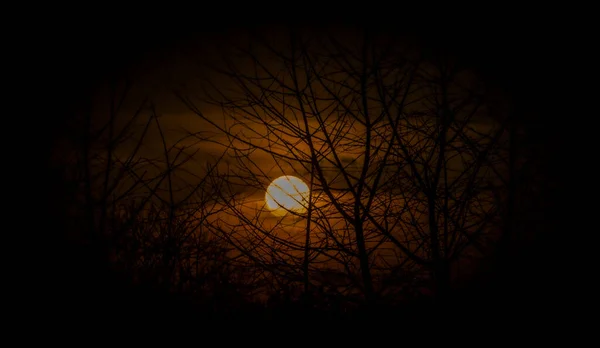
(364, 264)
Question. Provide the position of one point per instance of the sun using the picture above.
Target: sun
(287, 193)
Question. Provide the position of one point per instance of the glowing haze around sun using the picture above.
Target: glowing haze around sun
(287, 193)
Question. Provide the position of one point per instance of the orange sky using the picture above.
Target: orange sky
(158, 77)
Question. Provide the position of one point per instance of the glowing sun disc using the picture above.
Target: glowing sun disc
(287, 193)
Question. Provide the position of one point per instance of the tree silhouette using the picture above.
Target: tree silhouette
(407, 165)
(421, 178)
(139, 212)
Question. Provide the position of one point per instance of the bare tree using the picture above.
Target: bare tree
(404, 163)
(143, 195)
